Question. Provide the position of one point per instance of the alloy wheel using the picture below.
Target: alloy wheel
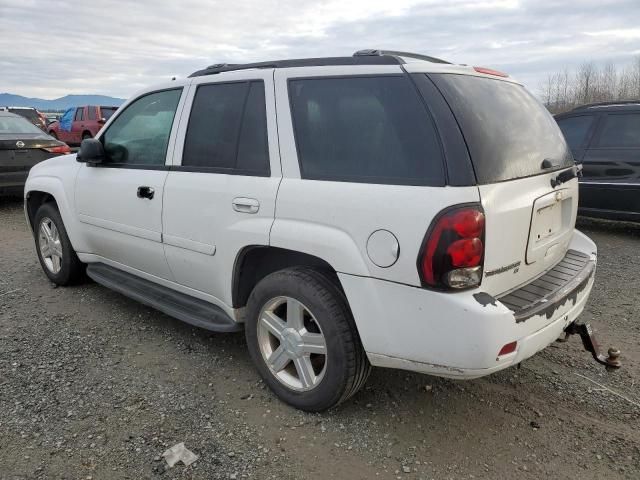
(292, 343)
(50, 245)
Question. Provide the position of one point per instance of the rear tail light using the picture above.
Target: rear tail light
(490, 71)
(453, 251)
(58, 149)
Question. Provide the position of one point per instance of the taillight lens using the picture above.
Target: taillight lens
(466, 252)
(508, 348)
(58, 149)
(453, 251)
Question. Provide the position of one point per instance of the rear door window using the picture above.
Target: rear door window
(365, 129)
(227, 131)
(621, 130)
(92, 113)
(575, 129)
(508, 132)
(79, 114)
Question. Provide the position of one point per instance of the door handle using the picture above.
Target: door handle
(145, 192)
(246, 205)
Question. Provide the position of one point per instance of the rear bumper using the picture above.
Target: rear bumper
(459, 335)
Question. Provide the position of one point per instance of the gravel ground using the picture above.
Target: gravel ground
(93, 385)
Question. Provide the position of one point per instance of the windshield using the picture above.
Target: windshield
(17, 125)
(508, 132)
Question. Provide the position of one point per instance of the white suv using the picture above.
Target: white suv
(384, 209)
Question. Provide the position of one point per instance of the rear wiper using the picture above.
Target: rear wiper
(575, 171)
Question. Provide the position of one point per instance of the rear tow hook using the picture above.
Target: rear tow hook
(591, 344)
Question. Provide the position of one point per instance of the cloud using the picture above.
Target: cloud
(626, 33)
(115, 47)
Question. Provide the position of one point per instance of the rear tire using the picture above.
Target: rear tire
(311, 381)
(86, 135)
(55, 252)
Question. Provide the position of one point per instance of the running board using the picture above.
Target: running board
(184, 307)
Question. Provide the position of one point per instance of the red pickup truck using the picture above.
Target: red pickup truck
(87, 121)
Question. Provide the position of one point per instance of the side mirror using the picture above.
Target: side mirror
(102, 121)
(91, 151)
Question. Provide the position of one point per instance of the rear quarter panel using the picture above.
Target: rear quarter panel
(334, 220)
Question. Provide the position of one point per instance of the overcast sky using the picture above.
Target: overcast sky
(53, 48)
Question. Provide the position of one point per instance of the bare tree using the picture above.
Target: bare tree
(585, 77)
(636, 77)
(565, 90)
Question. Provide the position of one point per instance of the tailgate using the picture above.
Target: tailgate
(529, 226)
(525, 174)
(552, 222)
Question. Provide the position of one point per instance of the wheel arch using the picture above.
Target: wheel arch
(255, 262)
(45, 188)
(34, 199)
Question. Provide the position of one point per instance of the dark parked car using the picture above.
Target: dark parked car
(605, 139)
(22, 145)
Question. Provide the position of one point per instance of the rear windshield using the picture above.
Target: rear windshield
(17, 125)
(26, 113)
(508, 132)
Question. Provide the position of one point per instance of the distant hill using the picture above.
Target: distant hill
(62, 103)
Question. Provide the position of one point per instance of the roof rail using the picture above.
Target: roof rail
(606, 104)
(394, 53)
(361, 57)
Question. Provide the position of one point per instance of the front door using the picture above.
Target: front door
(220, 194)
(119, 202)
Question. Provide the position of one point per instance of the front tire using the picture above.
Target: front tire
(303, 340)
(55, 252)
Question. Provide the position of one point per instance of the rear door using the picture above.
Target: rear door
(77, 127)
(517, 150)
(220, 194)
(91, 122)
(611, 166)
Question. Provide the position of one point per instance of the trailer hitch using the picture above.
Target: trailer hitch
(591, 345)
